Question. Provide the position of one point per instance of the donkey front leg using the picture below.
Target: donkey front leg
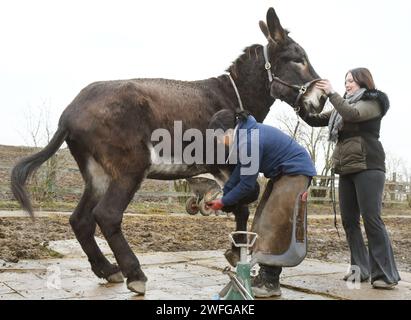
(109, 214)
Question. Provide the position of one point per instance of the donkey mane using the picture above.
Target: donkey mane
(248, 53)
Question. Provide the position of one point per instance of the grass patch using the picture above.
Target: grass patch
(50, 253)
(142, 207)
(9, 205)
(44, 206)
(149, 207)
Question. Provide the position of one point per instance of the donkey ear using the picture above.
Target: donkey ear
(264, 29)
(275, 29)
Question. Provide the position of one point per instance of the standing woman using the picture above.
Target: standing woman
(359, 159)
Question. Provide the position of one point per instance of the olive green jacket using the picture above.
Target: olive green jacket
(358, 147)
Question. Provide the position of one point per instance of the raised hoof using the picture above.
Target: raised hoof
(138, 287)
(232, 257)
(116, 278)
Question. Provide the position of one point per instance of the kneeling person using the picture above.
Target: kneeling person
(289, 168)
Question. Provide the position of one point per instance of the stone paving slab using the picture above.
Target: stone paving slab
(72, 248)
(182, 277)
(5, 289)
(172, 275)
(326, 278)
(179, 275)
(11, 296)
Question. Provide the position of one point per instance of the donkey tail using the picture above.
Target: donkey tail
(27, 165)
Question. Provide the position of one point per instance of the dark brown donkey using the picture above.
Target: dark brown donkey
(108, 130)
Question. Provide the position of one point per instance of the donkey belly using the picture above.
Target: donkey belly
(174, 171)
(167, 168)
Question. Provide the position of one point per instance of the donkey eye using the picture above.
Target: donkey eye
(298, 60)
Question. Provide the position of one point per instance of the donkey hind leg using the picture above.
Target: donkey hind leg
(82, 220)
(84, 227)
(241, 214)
(108, 214)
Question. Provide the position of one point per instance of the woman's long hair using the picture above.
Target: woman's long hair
(363, 77)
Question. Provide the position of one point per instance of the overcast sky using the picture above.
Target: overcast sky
(50, 50)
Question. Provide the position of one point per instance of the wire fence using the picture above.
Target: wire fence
(320, 192)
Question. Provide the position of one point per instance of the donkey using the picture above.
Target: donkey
(108, 127)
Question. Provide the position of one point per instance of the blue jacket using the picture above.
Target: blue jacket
(278, 154)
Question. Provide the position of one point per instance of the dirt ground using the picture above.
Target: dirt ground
(20, 238)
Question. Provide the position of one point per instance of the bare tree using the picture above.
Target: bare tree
(38, 133)
(328, 149)
(396, 167)
(315, 141)
(398, 184)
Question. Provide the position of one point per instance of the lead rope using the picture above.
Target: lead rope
(297, 125)
(334, 201)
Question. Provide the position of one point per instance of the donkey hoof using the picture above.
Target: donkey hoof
(138, 287)
(232, 257)
(115, 277)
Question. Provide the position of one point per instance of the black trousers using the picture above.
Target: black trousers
(244, 201)
(361, 194)
(270, 273)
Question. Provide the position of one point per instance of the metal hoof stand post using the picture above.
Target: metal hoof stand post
(239, 287)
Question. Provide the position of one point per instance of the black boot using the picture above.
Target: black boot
(267, 283)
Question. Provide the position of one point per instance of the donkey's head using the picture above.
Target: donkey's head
(290, 68)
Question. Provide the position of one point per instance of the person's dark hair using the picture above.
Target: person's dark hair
(363, 77)
(227, 119)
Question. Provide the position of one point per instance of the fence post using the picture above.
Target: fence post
(408, 190)
(394, 186)
(170, 189)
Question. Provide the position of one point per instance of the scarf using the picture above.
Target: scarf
(336, 122)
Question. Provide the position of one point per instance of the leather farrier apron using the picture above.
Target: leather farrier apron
(281, 223)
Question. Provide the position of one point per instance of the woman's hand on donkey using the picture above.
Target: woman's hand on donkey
(326, 86)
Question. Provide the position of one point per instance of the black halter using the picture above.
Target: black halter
(301, 89)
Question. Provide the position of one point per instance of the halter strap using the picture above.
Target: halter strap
(271, 77)
(240, 103)
(267, 65)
